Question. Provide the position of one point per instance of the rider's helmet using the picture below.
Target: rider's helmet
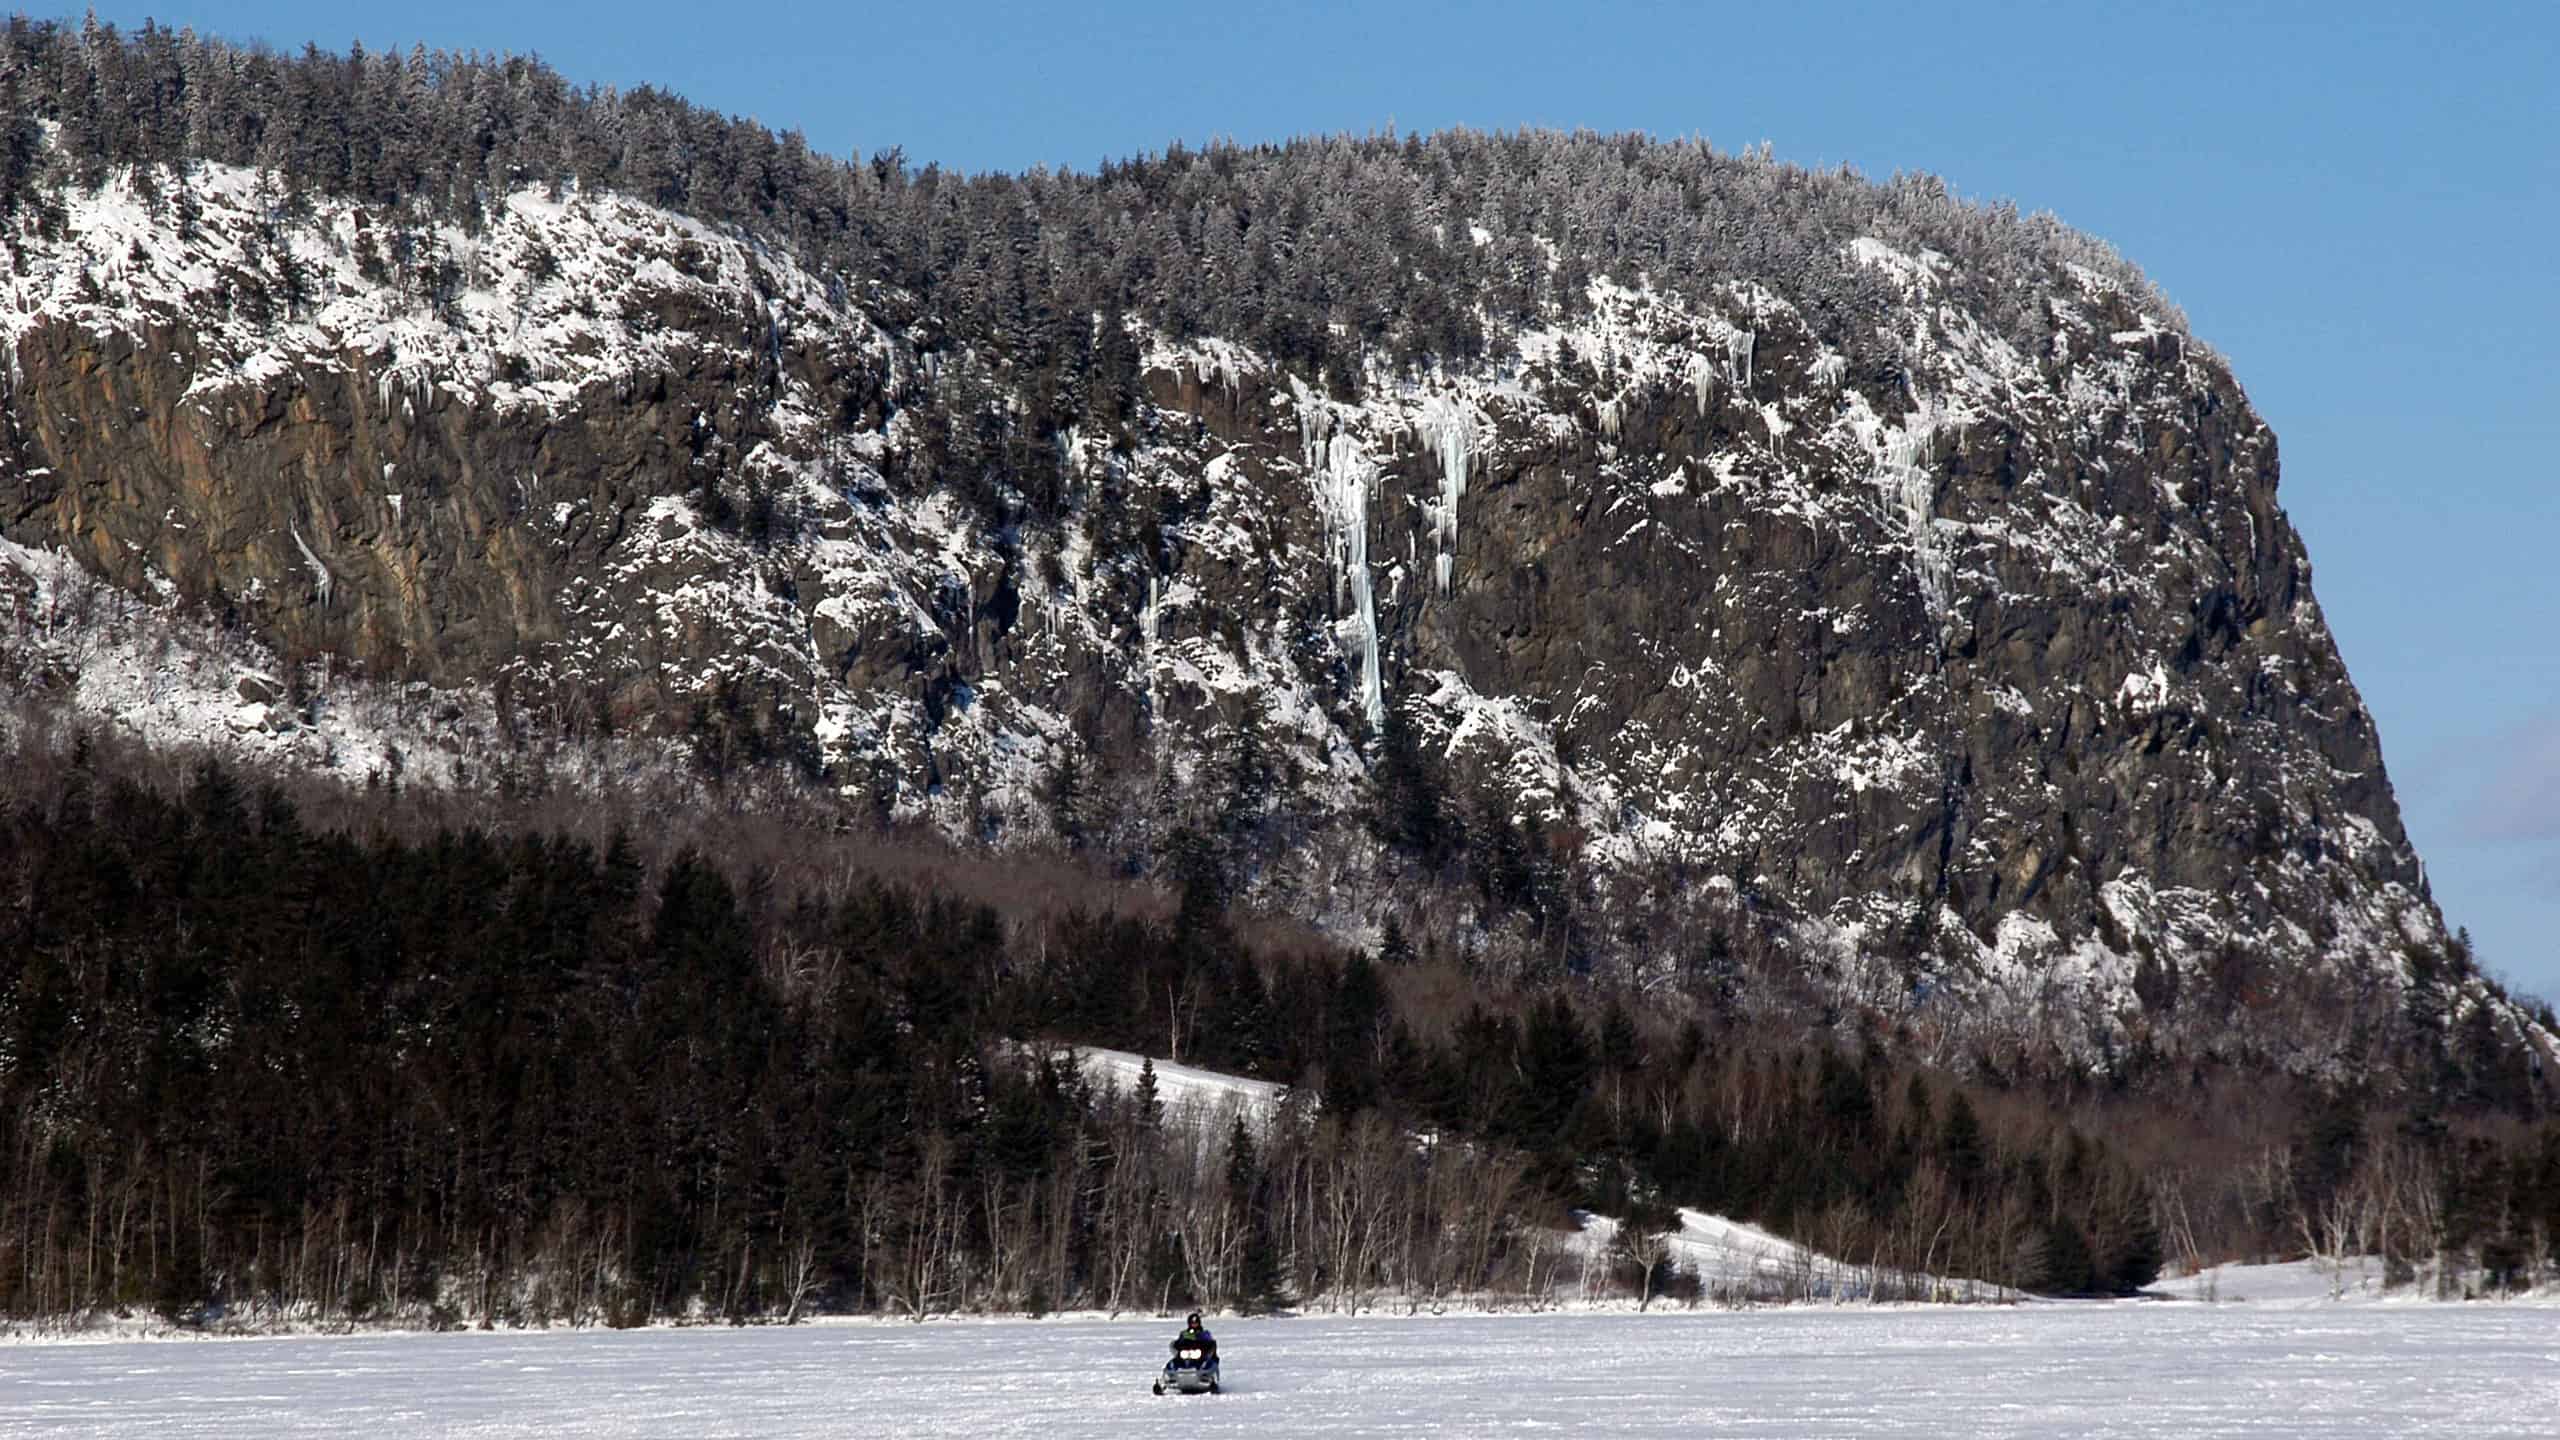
(1193, 1320)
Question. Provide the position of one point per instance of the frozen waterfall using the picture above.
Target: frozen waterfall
(1908, 485)
(1341, 475)
(1450, 429)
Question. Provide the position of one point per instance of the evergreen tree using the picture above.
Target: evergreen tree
(1555, 1068)
(1066, 798)
(2055, 1261)
(1621, 1049)
(1243, 1165)
(1352, 1019)
(1394, 950)
(1409, 810)
(1251, 770)
(1199, 878)
(1960, 1145)
(1150, 1105)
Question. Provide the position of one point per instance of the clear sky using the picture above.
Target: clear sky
(2356, 202)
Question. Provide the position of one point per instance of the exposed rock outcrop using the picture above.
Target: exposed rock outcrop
(1999, 672)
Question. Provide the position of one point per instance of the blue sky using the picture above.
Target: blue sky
(2357, 203)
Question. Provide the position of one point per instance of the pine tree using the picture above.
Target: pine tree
(1248, 784)
(1352, 1017)
(1554, 1068)
(2136, 1253)
(1150, 1106)
(2055, 1261)
(1960, 1144)
(1243, 1167)
(1258, 1282)
(1066, 797)
(1621, 1049)
(1409, 811)
(1200, 881)
(1394, 950)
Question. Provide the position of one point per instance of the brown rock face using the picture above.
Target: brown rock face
(390, 538)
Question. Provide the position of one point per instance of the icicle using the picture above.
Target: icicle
(1340, 473)
(1147, 621)
(1701, 375)
(1737, 353)
(1217, 364)
(320, 572)
(1907, 484)
(1449, 428)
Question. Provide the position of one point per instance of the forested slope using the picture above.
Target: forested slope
(262, 1064)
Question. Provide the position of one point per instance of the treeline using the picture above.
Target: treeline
(248, 1063)
(1327, 255)
(2385, 1196)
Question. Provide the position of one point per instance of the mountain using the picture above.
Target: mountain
(1593, 555)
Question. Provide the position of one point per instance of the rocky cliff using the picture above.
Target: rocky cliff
(1986, 676)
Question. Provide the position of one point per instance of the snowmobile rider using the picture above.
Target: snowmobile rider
(1194, 1366)
(1195, 1333)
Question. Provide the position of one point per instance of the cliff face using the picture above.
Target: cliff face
(1999, 671)
(2018, 653)
(451, 488)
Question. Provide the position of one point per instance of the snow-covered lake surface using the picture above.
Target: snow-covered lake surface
(2147, 1369)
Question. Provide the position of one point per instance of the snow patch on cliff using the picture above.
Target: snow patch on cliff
(539, 304)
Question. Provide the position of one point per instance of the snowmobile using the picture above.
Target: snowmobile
(1193, 1368)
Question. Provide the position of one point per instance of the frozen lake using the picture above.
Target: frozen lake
(2147, 1369)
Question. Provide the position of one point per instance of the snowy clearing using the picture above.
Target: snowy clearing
(1208, 1094)
(2146, 1368)
(1729, 1256)
(1734, 1258)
